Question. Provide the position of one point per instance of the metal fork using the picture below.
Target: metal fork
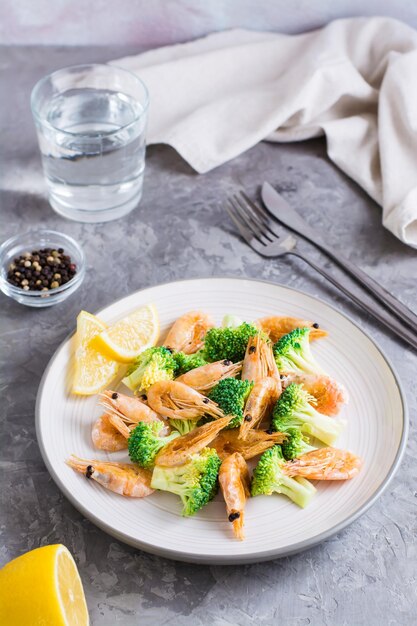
(263, 235)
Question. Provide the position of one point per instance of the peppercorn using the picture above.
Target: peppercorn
(41, 270)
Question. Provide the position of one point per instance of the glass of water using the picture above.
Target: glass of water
(91, 124)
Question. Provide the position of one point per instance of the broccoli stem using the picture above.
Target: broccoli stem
(320, 426)
(310, 367)
(231, 321)
(299, 490)
(183, 426)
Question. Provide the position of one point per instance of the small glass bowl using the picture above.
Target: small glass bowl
(36, 240)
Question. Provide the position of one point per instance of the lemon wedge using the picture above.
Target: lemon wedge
(42, 587)
(93, 370)
(129, 336)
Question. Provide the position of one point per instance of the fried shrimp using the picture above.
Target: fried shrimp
(277, 326)
(256, 441)
(330, 395)
(325, 464)
(176, 400)
(260, 402)
(259, 360)
(181, 449)
(123, 478)
(188, 332)
(207, 376)
(129, 409)
(106, 437)
(234, 482)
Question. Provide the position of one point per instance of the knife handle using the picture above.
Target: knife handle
(380, 293)
(382, 316)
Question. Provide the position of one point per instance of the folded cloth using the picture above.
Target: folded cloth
(355, 81)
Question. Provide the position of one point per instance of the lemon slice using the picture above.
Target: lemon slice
(42, 587)
(129, 336)
(93, 370)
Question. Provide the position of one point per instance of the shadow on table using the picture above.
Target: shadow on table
(33, 208)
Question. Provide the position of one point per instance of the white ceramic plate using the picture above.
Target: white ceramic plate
(376, 430)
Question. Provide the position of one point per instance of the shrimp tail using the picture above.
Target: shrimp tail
(78, 464)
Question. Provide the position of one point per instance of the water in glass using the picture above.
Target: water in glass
(93, 152)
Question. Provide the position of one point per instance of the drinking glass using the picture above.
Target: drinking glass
(91, 124)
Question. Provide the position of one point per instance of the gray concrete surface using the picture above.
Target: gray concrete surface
(365, 574)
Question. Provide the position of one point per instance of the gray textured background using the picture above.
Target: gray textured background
(364, 575)
(159, 22)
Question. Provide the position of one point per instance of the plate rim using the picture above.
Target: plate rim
(230, 559)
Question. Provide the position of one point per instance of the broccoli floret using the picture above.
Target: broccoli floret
(186, 362)
(228, 343)
(293, 410)
(231, 395)
(151, 366)
(195, 481)
(183, 426)
(295, 445)
(269, 477)
(292, 352)
(144, 442)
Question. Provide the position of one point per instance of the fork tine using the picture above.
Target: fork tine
(262, 215)
(245, 233)
(251, 221)
(241, 214)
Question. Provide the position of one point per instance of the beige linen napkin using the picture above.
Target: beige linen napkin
(355, 81)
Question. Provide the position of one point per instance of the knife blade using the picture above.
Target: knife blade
(282, 211)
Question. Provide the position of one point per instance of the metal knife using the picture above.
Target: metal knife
(279, 208)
